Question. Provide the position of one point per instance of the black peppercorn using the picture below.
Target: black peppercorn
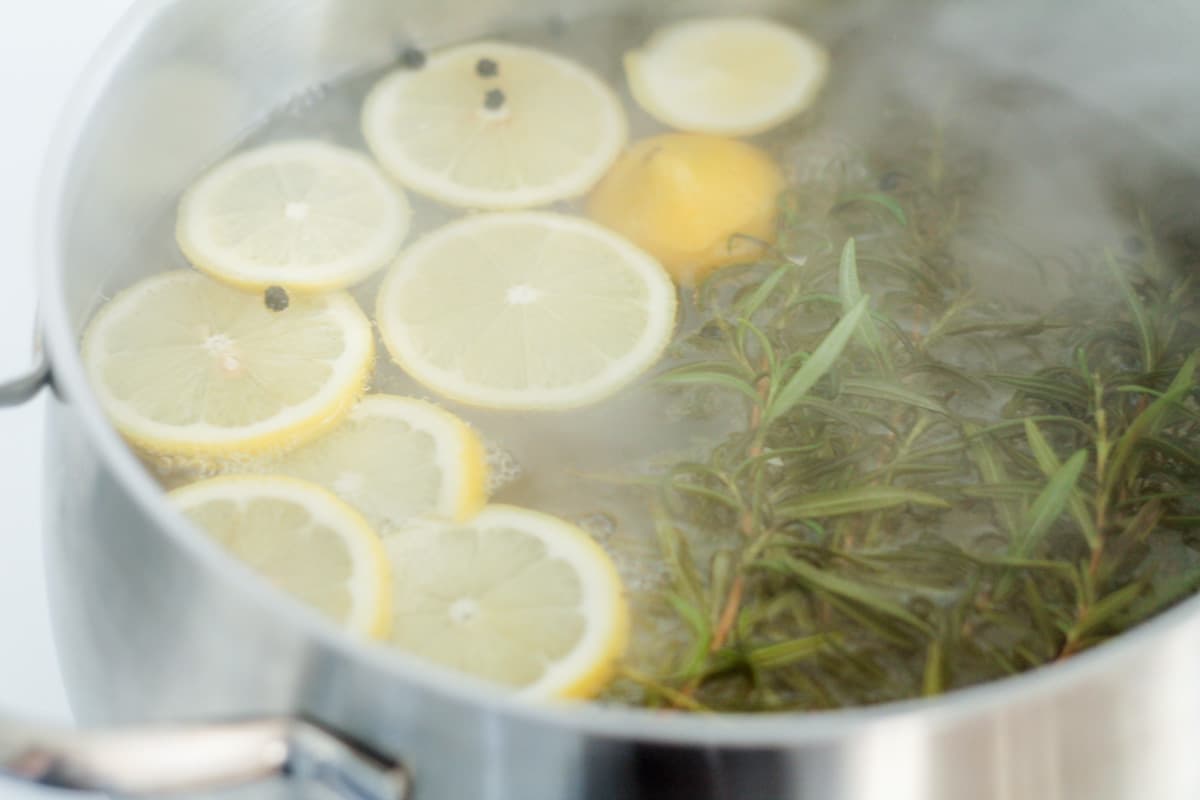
(412, 58)
(494, 100)
(487, 68)
(277, 299)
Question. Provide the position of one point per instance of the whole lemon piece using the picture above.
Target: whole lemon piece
(695, 202)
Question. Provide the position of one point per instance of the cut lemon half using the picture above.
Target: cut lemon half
(733, 76)
(303, 215)
(696, 202)
(186, 365)
(516, 597)
(396, 458)
(303, 540)
(495, 126)
(526, 310)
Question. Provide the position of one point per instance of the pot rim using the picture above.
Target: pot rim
(736, 730)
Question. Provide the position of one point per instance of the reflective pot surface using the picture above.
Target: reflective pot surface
(155, 624)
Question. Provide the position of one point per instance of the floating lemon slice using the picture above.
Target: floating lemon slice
(396, 458)
(495, 126)
(514, 596)
(304, 215)
(695, 202)
(525, 310)
(301, 538)
(186, 365)
(734, 76)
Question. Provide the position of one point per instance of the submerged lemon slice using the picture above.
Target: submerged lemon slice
(525, 310)
(495, 126)
(185, 365)
(514, 596)
(734, 76)
(302, 539)
(693, 201)
(396, 458)
(304, 215)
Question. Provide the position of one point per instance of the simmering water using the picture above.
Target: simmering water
(1027, 184)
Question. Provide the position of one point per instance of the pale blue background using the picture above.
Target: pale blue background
(44, 45)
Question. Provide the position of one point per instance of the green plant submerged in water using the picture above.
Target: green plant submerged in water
(910, 506)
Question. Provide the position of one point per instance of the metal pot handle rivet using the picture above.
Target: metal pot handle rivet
(161, 761)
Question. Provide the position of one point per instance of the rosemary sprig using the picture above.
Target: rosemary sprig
(932, 488)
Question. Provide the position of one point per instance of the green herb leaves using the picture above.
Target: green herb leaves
(928, 488)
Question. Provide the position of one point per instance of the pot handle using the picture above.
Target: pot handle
(25, 386)
(169, 760)
(159, 761)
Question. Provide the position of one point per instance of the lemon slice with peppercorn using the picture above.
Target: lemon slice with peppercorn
(303, 540)
(185, 365)
(733, 76)
(525, 310)
(394, 459)
(495, 126)
(513, 596)
(304, 215)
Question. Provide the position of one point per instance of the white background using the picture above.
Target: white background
(44, 47)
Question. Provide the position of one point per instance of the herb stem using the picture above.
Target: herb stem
(729, 613)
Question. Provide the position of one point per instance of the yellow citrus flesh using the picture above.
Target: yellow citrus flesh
(541, 129)
(525, 310)
(514, 596)
(303, 540)
(395, 459)
(188, 366)
(693, 201)
(733, 76)
(304, 215)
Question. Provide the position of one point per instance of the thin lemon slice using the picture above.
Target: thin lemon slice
(302, 539)
(526, 310)
(734, 76)
(396, 458)
(186, 365)
(514, 596)
(495, 126)
(304, 215)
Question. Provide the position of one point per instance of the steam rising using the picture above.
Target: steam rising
(1069, 109)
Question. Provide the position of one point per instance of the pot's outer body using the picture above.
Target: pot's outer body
(153, 623)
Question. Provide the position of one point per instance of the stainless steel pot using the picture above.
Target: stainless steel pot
(155, 625)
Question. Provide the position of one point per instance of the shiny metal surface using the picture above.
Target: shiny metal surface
(155, 624)
(176, 760)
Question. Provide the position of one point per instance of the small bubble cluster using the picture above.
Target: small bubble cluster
(600, 524)
(503, 467)
(307, 99)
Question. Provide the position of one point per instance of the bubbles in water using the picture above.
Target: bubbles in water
(307, 99)
(600, 524)
(503, 467)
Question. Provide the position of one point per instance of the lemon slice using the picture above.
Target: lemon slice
(396, 458)
(734, 76)
(301, 538)
(525, 310)
(495, 126)
(186, 365)
(514, 596)
(304, 215)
